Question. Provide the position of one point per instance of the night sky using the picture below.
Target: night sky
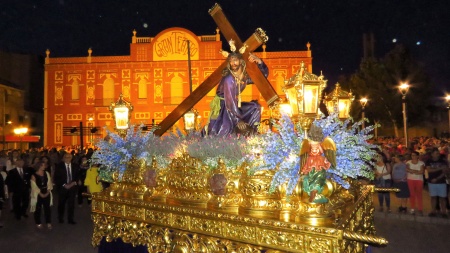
(334, 28)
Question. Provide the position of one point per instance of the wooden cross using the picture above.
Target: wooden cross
(252, 43)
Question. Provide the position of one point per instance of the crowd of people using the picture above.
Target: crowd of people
(424, 164)
(30, 179)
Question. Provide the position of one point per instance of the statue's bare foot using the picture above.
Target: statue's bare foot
(312, 195)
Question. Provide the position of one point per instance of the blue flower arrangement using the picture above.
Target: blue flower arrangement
(280, 151)
(210, 148)
(275, 150)
(115, 152)
(354, 152)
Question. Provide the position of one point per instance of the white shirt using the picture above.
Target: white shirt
(20, 170)
(415, 167)
(68, 172)
(383, 169)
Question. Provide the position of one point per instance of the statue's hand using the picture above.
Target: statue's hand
(254, 58)
(242, 125)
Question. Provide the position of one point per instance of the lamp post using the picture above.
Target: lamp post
(403, 88)
(339, 101)
(363, 102)
(447, 99)
(21, 131)
(304, 91)
(121, 110)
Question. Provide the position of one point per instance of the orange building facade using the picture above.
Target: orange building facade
(154, 78)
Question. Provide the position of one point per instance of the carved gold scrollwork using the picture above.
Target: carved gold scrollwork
(155, 179)
(188, 182)
(258, 200)
(132, 184)
(169, 227)
(224, 185)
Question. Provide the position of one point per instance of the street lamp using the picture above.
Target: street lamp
(21, 131)
(304, 92)
(403, 88)
(122, 114)
(339, 101)
(447, 99)
(363, 102)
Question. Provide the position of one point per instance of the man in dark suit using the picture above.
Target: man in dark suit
(66, 181)
(18, 181)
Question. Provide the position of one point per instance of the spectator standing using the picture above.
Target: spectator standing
(10, 163)
(49, 166)
(382, 180)
(92, 181)
(18, 181)
(415, 169)
(66, 179)
(436, 166)
(399, 181)
(41, 195)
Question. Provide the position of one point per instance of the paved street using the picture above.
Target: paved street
(23, 236)
(405, 233)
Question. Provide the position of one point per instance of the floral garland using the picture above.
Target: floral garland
(269, 151)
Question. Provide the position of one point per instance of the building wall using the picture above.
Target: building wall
(154, 78)
(13, 115)
(22, 74)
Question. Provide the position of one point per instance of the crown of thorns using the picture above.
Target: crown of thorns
(233, 49)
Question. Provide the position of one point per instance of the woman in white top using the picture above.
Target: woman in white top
(415, 169)
(383, 179)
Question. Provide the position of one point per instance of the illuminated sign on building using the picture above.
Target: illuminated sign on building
(173, 45)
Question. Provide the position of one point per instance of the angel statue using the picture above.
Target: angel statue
(314, 165)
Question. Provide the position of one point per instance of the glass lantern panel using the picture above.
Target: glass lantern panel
(310, 98)
(330, 106)
(189, 121)
(121, 114)
(344, 108)
(291, 94)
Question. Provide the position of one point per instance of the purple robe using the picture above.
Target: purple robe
(230, 114)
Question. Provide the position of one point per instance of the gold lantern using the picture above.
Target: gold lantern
(304, 92)
(122, 114)
(190, 120)
(339, 101)
(286, 108)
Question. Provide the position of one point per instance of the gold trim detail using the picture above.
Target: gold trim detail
(183, 208)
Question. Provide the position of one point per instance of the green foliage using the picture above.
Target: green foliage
(378, 80)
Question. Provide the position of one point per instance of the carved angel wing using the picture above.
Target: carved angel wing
(329, 149)
(304, 151)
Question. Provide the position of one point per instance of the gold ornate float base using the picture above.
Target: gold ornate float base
(168, 228)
